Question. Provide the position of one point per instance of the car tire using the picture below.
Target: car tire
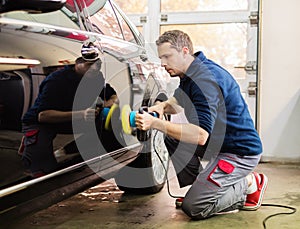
(148, 173)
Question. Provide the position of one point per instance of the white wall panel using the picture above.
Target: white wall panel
(280, 80)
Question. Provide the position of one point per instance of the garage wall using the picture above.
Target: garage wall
(279, 117)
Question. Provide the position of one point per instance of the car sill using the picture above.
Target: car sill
(24, 185)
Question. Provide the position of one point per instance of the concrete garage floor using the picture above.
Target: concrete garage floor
(104, 206)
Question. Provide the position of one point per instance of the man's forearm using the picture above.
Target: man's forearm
(168, 107)
(54, 116)
(183, 132)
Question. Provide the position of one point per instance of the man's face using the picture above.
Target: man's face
(171, 59)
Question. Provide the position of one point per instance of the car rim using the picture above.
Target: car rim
(159, 148)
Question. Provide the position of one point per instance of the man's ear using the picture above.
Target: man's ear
(185, 50)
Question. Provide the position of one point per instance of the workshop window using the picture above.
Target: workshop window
(203, 5)
(133, 6)
(224, 43)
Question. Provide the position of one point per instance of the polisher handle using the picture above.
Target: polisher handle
(141, 134)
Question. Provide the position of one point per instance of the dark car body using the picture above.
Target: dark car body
(34, 45)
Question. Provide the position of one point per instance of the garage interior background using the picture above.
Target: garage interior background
(277, 109)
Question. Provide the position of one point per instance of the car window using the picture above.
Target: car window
(103, 17)
(128, 34)
(99, 16)
(105, 21)
(57, 18)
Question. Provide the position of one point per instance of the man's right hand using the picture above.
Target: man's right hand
(158, 108)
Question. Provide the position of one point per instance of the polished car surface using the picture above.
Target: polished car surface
(36, 44)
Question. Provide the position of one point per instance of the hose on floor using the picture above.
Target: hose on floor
(293, 210)
(276, 214)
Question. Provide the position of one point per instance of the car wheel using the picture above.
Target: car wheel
(148, 173)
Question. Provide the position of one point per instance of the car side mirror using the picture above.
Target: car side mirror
(36, 6)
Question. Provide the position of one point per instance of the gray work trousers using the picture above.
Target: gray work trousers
(220, 186)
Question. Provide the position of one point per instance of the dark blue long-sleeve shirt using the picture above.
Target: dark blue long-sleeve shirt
(56, 92)
(211, 99)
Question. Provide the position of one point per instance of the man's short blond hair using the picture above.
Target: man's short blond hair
(177, 38)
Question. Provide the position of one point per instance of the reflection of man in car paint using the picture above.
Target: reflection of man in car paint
(107, 98)
(52, 114)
